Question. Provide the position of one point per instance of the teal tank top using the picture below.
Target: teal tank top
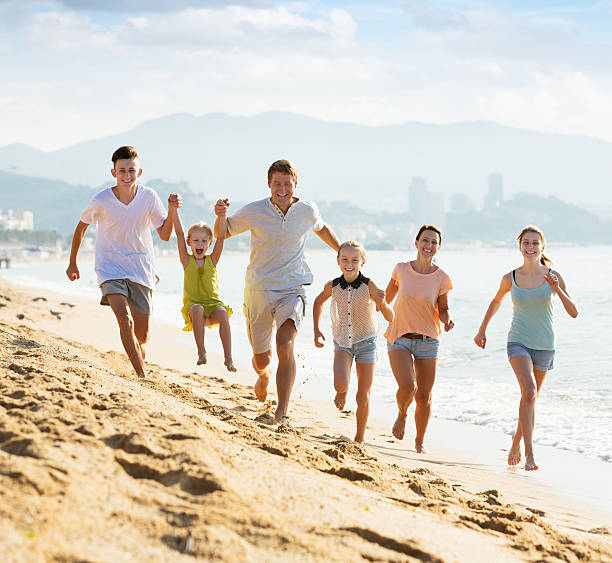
(532, 316)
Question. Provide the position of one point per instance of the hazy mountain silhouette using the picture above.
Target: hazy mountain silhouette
(221, 154)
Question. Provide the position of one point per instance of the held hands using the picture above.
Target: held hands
(175, 201)
(481, 339)
(379, 295)
(72, 271)
(319, 339)
(449, 325)
(552, 280)
(221, 207)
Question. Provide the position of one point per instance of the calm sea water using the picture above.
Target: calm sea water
(574, 410)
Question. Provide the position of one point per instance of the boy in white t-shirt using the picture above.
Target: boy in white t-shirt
(125, 215)
(274, 295)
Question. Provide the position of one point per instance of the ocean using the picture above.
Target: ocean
(473, 386)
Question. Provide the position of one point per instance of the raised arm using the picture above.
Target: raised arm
(558, 284)
(317, 309)
(174, 202)
(378, 296)
(504, 287)
(77, 238)
(180, 240)
(221, 230)
(444, 312)
(328, 237)
(221, 207)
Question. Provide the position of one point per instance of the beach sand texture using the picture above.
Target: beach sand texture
(98, 465)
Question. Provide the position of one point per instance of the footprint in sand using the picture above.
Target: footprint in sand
(39, 299)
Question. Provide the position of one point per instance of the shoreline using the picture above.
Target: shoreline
(97, 464)
(478, 453)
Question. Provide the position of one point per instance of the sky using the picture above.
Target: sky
(77, 70)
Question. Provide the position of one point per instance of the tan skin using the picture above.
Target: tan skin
(415, 377)
(133, 326)
(531, 275)
(199, 241)
(351, 261)
(282, 187)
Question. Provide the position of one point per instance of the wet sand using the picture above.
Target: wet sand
(98, 465)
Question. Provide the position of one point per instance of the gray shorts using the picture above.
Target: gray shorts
(266, 309)
(543, 360)
(140, 297)
(422, 349)
(364, 352)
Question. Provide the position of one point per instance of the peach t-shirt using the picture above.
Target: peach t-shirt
(416, 305)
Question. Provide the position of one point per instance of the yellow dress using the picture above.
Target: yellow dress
(200, 287)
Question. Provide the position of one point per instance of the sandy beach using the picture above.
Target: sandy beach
(98, 465)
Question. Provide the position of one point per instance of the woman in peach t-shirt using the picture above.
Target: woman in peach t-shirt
(413, 336)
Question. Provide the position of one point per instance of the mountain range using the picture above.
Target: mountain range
(224, 155)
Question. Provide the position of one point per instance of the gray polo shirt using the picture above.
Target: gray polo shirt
(277, 242)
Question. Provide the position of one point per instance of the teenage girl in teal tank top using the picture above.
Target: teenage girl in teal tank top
(201, 304)
(531, 339)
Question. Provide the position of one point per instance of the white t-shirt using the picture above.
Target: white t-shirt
(124, 245)
(277, 242)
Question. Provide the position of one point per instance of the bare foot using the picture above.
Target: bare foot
(530, 464)
(420, 449)
(142, 351)
(202, 359)
(359, 439)
(261, 388)
(283, 420)
(399, 427)
(340, 399)
(229, 364)
(514, 455)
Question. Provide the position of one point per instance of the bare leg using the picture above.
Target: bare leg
(196, 314)
(119, 305)
(342, 375)
(219, 315)
(365, 376)
(514, 455)
(261, 363)
(141, 329)
(425, 377)
(523, 369)
(403, 370)
(286, 370)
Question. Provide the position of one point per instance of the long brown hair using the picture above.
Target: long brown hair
(544, 260)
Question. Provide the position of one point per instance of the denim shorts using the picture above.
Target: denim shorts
(421, 349)
(364, 352)
(542, 359)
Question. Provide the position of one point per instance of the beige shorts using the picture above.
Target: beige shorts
(139, 296)
(266, 309)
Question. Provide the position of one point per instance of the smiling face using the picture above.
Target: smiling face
(350, 261)
(531, 245)
(126, 171)
(199, 241)
(428, 244)
(282, 187)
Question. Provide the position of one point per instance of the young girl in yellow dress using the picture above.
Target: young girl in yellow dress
(201, 304)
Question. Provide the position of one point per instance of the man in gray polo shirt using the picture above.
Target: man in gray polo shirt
(274, 294)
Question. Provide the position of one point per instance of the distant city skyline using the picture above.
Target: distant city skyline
(75, 70)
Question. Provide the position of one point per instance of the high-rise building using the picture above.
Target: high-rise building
(495, 192)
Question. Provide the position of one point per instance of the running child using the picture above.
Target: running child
(201, 304)
(125, 215)
(354, 302)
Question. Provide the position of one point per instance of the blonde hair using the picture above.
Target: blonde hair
(352, 244)
(544, 260)
(199, 227)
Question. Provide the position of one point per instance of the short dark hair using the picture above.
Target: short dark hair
(284, 167)
(429, 228)
(124, 152)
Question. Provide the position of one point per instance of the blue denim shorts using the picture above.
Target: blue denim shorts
(543, 360)
(421, 349)
(364, 352)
